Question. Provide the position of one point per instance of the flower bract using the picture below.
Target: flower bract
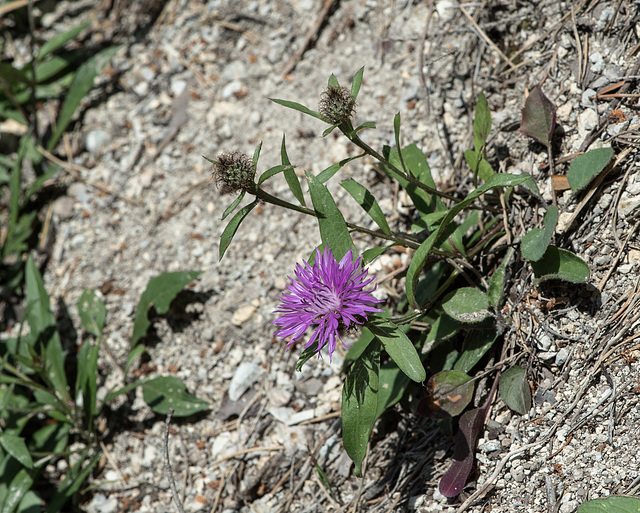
(328, 296)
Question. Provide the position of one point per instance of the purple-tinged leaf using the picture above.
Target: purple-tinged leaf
(455, 478)
(469, 428)
(538, 117)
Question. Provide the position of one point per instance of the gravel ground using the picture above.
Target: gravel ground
(197, 82)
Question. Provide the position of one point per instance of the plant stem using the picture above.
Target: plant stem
(349, 132)
(394, 237)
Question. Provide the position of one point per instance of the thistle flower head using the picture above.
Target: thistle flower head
(329, 296)
(234, 172)
(337, 104)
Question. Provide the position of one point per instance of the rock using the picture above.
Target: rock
(96, 141)
(518, 474)
(587, 121)
(246, 375)
(102, 504)
(561, 357)
(242, 314)
(63, 207)
(177, 86)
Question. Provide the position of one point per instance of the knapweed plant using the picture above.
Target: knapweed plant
(450, 314)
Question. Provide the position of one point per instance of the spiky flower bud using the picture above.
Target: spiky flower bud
(337, 104)
(234, 172)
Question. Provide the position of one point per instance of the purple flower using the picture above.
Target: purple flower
(329, 296)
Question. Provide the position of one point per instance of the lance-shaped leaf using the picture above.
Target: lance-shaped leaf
(392, 384)
(357, 81)
(536, 242)
(366, 200)
(455, 478)
(232, 227)
(360, 404)
(496, 285)
(612, 504)
(167, 392)
(481, 123)
(400, 348)
(538, 117)
(300, 108)
(333, 228)
(290, 175)
(475, 346)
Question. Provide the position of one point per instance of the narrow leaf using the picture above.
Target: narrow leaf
(167, 392)
(92, 312)
(475, 346)
(515, 391)
(392, 382)
(306, 355)
(360, 404)
(535, 243)
(232, 227)
(300, 108)
(400, 348)
(81, 85)
(366, 200)
(333, 228)
(561, 264)
(160, 292)
(325, 175)
(538, 117)
(455, 477)
(233, 206)
(290, 175)
(59, 40)
(496, 285)
(586, 167)
(357, 81)
(481, 123)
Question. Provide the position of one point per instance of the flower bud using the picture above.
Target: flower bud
(337, 104)
(234, 172)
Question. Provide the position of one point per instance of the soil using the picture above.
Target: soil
(193, 78)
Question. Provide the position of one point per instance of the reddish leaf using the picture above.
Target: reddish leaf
(455, 478)
(538, 117)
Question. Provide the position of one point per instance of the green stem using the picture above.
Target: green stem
(349, 132)
(394, 237)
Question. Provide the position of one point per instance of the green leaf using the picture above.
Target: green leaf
(422, 253)
(333, 81)
(16, 447)
(443, 328)
(167, 392)
(300, 108)
(496, 285)
(125, 389)
(611, 504)
(290, 175)
(366, 200)
(360, 404)
(586, 167)
(536, 242)
(134, 354)
(231, 229)
(272, 172)
(256, 155)
(475, 346)
(160, 292)
(358, 347)
(325, 175)
(479, 166)
(561, 264)
(357, 81)
(396, 134)
(92, 313)
(324, 479)
(515, 391)
(481, 123)
(233, 206)
(333, 228)
(449, 393)
(72, 482)
(400, 348)
(306, 355)
(21, 483)
(538, 117)
(466, 304)
(86, 380)
(371, 254)
(81, 85)
(392, 384)
(44, 329)
(59, 40)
